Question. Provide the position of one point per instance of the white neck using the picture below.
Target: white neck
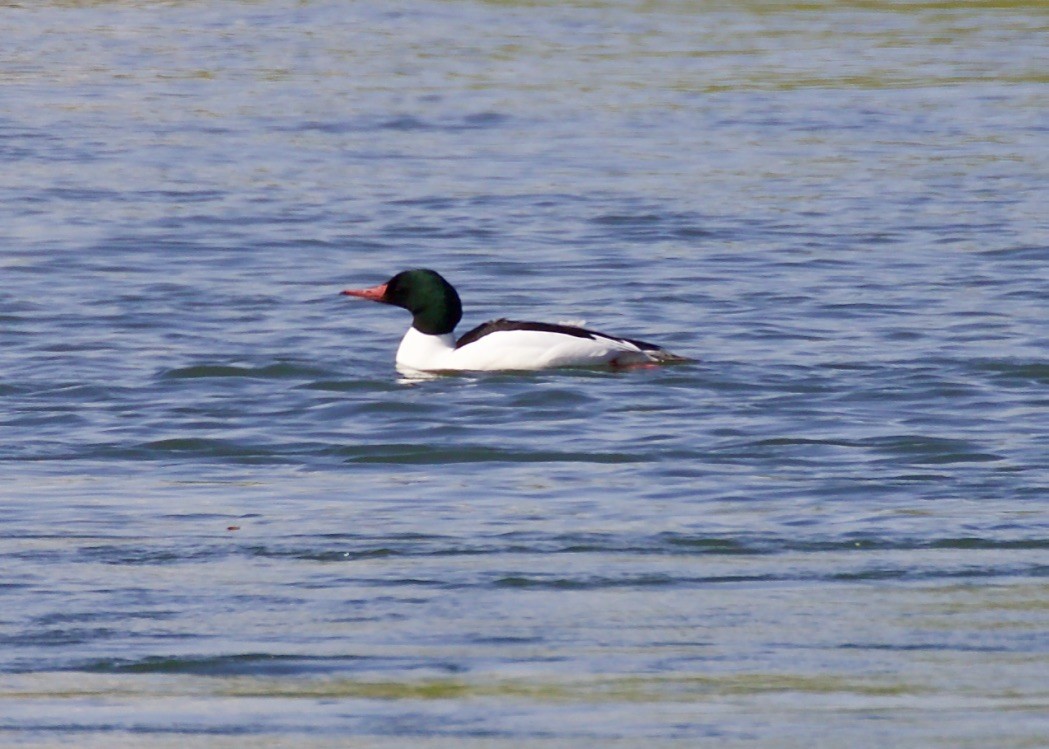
(424, 352)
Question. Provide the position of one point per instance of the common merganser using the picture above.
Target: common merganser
(430, 346)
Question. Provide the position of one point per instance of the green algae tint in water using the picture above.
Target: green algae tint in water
(227, 521)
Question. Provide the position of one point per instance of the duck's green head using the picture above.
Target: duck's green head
(433, 302)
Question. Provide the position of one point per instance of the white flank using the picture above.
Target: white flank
(512, 349)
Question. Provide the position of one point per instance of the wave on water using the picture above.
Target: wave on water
(275, 371)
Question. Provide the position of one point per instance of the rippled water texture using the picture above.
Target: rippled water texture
(227, 522)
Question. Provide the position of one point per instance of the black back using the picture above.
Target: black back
(502, 324)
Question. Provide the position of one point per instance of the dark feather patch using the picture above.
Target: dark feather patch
(643, 345)
(496, 326)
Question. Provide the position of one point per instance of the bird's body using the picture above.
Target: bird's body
(430, 344)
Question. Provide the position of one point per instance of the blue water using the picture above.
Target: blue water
(228, 521)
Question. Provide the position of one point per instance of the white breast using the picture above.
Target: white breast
(426, 353)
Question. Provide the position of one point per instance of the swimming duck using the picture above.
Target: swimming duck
(430, 344)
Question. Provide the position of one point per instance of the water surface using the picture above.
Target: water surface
(226, 518)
